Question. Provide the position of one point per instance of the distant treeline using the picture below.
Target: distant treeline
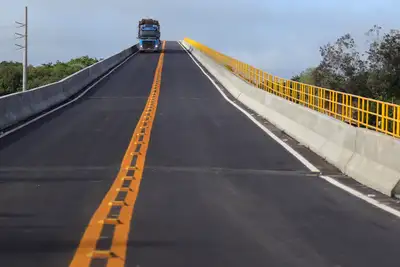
(11, 73)
(374, 73)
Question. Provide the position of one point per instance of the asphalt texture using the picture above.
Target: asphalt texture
(55, 172)
(216, 190)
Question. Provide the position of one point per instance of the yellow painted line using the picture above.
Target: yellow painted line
(119, 203)
(86, 250)
(110, 221)
(127, 178)
(124, 189)
(100, 254)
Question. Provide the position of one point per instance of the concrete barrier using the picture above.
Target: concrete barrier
(20, 106)
(376, 161)
(367, 156)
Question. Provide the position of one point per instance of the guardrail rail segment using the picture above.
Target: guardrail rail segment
(356, 110)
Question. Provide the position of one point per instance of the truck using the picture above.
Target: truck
(149, 35)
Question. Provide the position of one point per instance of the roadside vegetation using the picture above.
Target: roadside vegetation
(11, 73)
(374, 73)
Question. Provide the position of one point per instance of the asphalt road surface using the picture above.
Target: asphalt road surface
(216, 190)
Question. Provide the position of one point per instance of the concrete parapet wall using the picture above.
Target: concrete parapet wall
(367, 156)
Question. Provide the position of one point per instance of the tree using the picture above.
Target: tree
(307, 76)
(384, 64)
(374, 73)
(10, 77)
(341, 67)
(11, 73)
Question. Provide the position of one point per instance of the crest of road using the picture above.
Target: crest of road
(154, 167)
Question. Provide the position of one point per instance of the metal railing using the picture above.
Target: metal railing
(356, 110)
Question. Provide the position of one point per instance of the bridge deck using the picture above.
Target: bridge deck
(216, 190)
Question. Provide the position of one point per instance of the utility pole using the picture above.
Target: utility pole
(25, 47)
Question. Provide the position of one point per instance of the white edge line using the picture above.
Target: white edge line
(360, 195)
(305, 162)
(65, 104)
(310, 166)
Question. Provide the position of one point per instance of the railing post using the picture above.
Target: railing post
(360, 111)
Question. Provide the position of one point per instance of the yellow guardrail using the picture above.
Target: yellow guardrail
(356, 110)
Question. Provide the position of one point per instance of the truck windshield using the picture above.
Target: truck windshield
(152, 33)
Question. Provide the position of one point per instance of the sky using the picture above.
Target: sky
(279, 36)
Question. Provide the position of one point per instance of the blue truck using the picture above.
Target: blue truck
(149, 35)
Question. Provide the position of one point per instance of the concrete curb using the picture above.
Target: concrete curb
(369, 157)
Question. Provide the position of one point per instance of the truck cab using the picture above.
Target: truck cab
(149, 44)
(149, 35)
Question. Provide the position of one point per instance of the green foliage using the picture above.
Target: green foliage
(307, 76)
(11, 73)
(374, 73)
(10, 77)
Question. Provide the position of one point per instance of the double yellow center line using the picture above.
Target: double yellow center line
(123, 192)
